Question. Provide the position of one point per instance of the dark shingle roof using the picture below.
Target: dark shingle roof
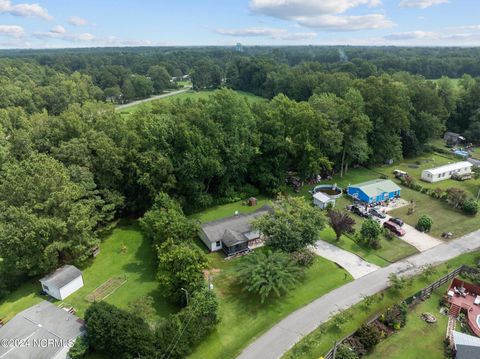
(215, 230)
(62, 276)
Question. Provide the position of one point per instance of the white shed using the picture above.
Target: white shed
(63, 282)
(445, 172)
(322, 200)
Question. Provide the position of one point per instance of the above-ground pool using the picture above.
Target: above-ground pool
(329, 189)
(478, 321)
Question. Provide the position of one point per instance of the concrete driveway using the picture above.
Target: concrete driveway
(419, 240)
(282, 336)
(352, 263)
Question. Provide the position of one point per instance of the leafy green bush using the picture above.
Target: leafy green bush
(345, 352)
(470, 206)
(368, 335)
(424, 223)
(370, 232)
(79, 349)
(303, 257)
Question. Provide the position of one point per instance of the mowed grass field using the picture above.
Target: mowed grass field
(417, 339)
(242, 316)
(194, 95)
(122, 253)
(414, 167)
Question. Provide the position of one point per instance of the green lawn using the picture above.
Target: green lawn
(194, 95)
(229, 209)
(137, 263)
(445, 218)
(243, 317)
(414, 167)
(391, 250)
(417, 339)
(319, 342)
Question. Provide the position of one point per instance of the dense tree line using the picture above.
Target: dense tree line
(70, 165)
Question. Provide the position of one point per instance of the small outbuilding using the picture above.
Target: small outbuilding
(452, 138)
(447, 171)
(377, 190)
(321, 200)
(63, 282)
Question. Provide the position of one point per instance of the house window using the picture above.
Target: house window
(217, 243)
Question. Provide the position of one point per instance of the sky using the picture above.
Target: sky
(93, 23)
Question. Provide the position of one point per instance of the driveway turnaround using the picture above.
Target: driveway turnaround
(282, 336)
(168, 94)
(352, 263)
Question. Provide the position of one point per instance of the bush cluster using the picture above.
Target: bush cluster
(456, 197)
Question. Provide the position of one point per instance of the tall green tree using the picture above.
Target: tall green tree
(293, 224)
(349, 117)
(180, 266)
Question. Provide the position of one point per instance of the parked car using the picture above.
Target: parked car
(397, 221)
(362, 212)
(394, 228)
(377, 213)
(399, 174)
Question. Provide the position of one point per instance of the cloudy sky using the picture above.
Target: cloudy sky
(81, 23)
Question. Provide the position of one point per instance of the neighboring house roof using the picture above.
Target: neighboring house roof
(466, 346)
(451, 134)
(232, 227)
(322, 197)
(42, 323)
(450, 167)
(62, 276)
(378, 186)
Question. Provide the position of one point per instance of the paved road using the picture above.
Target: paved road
(281, 337)
(134, 103)
(352, 263)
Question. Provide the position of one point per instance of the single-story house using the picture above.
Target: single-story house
(445, 172)
(321, 200)
(63, 282)
(232, 234)
(452, 138)
(45, 331)
(465, 346)
(373, 191)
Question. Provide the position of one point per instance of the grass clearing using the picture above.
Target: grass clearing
(319, 342)
(193, 95)
(243, 317)
(445, 218)
(124, 252)
(391, 250)
(402, 344)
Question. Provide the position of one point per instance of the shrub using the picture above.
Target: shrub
(369, 233)
(424, 223)
(368, 335)
(267, 273)
(118, 333)
(303, 257)
(79, 349)
(396, 316)
(345, 352)
(470, 206)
